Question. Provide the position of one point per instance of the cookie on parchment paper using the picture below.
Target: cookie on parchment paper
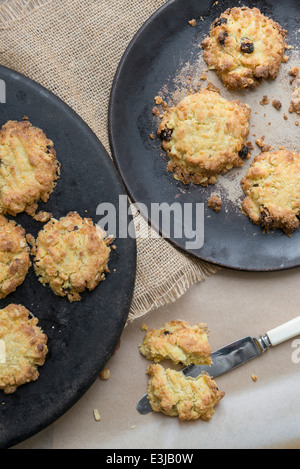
(175, 395)
(179, 342)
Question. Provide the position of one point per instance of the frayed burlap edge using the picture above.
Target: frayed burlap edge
(171, 290)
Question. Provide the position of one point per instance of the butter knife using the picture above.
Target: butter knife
(233, 355)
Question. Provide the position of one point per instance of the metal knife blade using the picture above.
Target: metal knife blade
(223, 360)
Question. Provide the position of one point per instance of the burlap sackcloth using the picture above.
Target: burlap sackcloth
(73, 47)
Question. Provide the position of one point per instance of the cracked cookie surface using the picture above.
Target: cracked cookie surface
(244, 47)
(28, 167)
(71, 255)
(205, 135)
(173, 394)
(14, 256)
(25, 348)
(272, 189)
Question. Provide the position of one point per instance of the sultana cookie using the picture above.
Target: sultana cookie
(28, 167)
(205, 135)
(71, 255)
(14, 256)
(272, 189)
(244, 47)
(25, 348)
(173, 394)
(179, 342)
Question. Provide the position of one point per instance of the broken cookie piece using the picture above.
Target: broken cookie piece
(179, 342)
(173, 394)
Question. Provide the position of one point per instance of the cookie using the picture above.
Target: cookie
(23, 346)
(71, 256)
(272, 189)
(173, 394)
(14, 256)
(204, 136)
(244, 47)
(179, 342)
(28, 168)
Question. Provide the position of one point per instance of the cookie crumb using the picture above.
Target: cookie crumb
(192, 22)
(97, 416)
(260, 142)
(158, 99)
(144, 327)
(152, 136)
(215, 203)
(264, 101)
(285, 116)
(294, 72)
(254, 378)
(155, 111)
(105, 374)
(277, 104)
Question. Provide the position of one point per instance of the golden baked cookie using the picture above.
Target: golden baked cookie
(205, 135)
(179, 342)
(25, 348)
(28, 167)
(272, 189)
(173, 394)
(295, 100)
(71, 255)
(14, 256)
(244, 47)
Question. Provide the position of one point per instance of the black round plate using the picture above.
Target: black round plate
(155, 56)
(82, 335)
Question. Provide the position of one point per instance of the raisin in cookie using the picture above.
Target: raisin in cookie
(173, 394)
(28, 168)
(14, 256)
(244, 47)
(179, 342)
(272, 189)
(205, 135)
(23, 348)
(71, 255)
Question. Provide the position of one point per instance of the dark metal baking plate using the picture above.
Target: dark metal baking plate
(82, 335)
(154, 56)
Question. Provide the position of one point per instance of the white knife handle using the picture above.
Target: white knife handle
(284, 332)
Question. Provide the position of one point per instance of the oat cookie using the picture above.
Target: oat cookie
(28, 168)
(272, 189)
(179, 342)
(25, 347)
(14, 256)
(71, 255)
(205, 135)
(173, 394)
(244, 47)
